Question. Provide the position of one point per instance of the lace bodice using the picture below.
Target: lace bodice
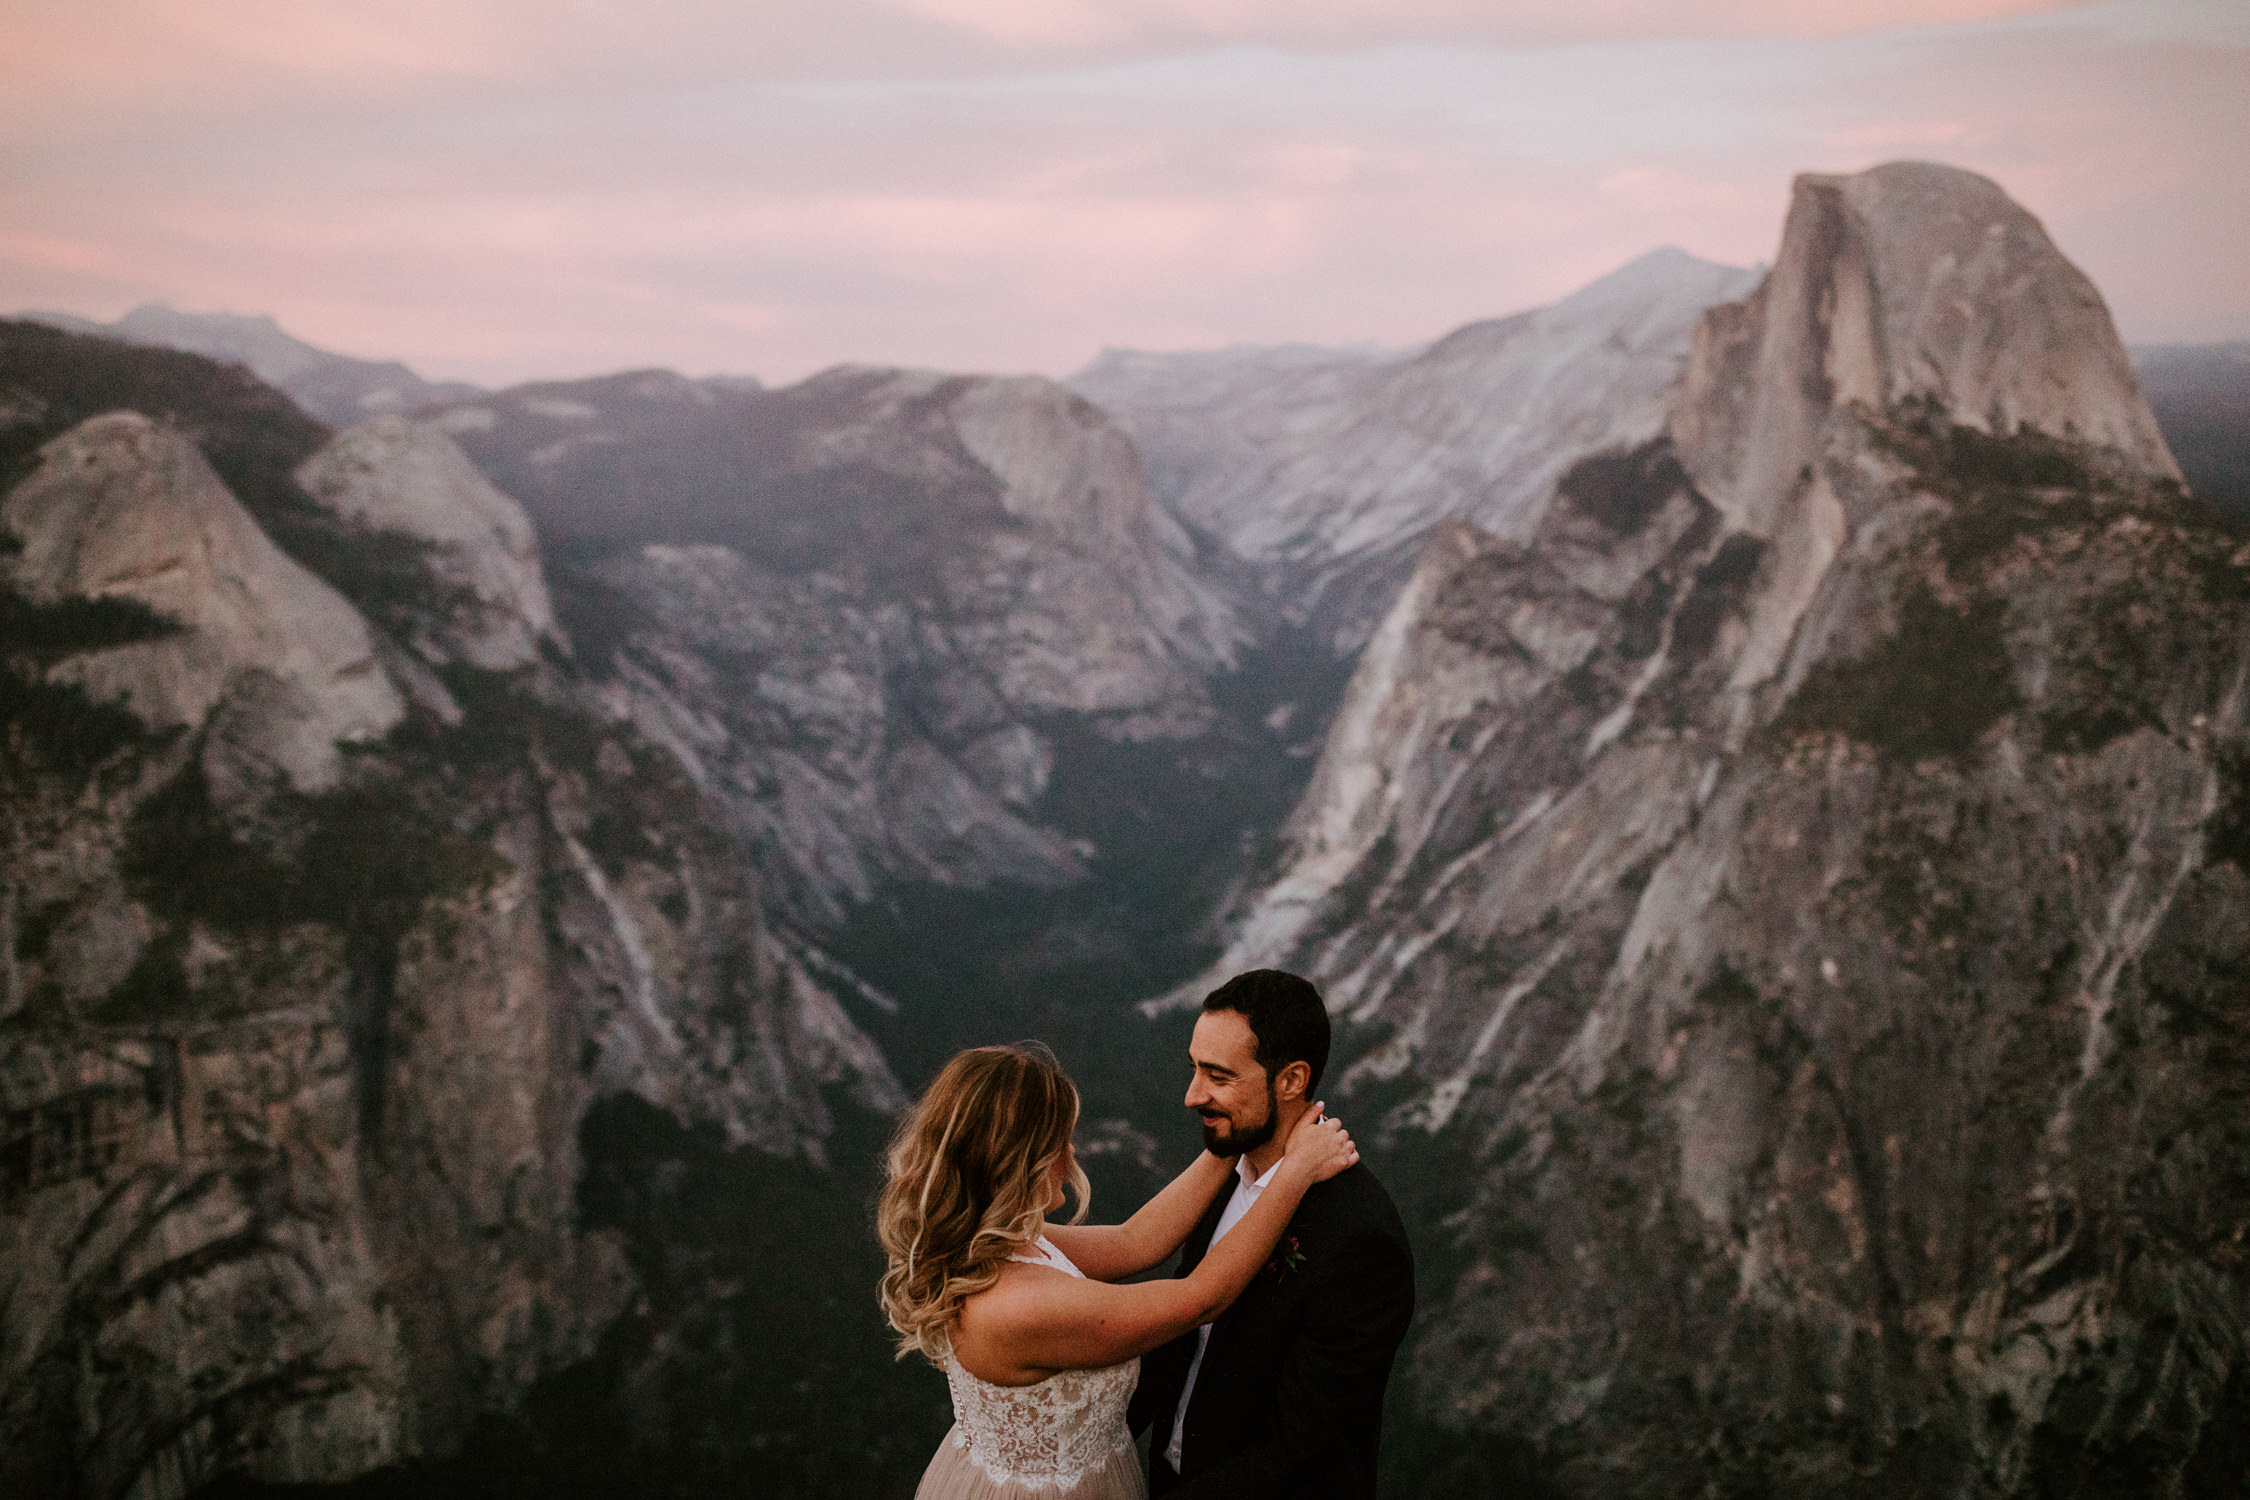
(1050, 1435)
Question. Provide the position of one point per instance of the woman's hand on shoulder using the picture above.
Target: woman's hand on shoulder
(1320, 1146)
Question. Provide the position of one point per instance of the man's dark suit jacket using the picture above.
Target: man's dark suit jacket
(1289, 1402)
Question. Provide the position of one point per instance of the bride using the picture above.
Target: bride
(1041, 1348)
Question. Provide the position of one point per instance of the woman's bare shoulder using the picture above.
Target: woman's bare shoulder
(1023, 1289)
(1022, 1299)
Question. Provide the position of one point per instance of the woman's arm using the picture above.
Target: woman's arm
(1111, 1252)
(1037, 1322)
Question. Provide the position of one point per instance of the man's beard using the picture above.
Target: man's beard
(1244, 1139)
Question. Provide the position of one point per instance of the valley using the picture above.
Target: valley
(1754, 759)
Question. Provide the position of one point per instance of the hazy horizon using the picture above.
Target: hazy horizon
(501, 191)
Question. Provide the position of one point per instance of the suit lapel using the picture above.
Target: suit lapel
(1199, 1238)
(1164, 1371)
(1263, 1286)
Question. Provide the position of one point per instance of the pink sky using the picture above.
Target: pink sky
(506, 189)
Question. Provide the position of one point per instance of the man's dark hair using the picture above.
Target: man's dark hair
(1286, 1016)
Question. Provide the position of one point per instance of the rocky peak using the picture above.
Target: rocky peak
(1046, 457)
(1060, 463)
(1909, 287)
(408, 478)
(254, 339)
(122, 508)
(1908, 283)
(1642, 306)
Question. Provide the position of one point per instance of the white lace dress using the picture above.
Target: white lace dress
(1066, 1435)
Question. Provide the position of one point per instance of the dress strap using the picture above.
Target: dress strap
(1049, 1254)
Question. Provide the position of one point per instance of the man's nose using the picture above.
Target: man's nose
(1197, 1094)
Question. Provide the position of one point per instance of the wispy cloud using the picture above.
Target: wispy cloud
(1110, 26)
(502, 190)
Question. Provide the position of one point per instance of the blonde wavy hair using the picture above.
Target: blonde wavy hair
(969, 1174)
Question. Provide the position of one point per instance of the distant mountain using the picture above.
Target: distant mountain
(336, 388)
(2201, 396)
(1324, 470)
(1787, 912)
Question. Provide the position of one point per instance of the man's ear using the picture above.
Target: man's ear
(1292, 1081)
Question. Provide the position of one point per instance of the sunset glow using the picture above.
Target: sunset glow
(498, 190)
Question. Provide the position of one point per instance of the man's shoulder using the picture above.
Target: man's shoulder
(1354, 1202)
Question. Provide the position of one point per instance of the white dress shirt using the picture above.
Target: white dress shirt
(1246, 1191)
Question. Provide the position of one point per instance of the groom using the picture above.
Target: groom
(1283, 1394)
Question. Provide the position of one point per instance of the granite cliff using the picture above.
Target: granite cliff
(872, 611)
(1788, 911)
(432, 916)
(333, 897)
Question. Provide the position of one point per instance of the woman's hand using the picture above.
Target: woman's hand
(1320, 1146)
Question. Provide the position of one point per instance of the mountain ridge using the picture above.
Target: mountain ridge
(1750, 902)
(1326, 479)
(337, 388)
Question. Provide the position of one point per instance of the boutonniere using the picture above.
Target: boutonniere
(1289, 1257)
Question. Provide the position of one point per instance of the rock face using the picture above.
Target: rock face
(1789, 909)
(1325, 471)
(395, 476)
(121, 509)
(866, 610)
(1909, 284)
(316, 955)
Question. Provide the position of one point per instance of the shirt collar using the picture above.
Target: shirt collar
(1253, 1184)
